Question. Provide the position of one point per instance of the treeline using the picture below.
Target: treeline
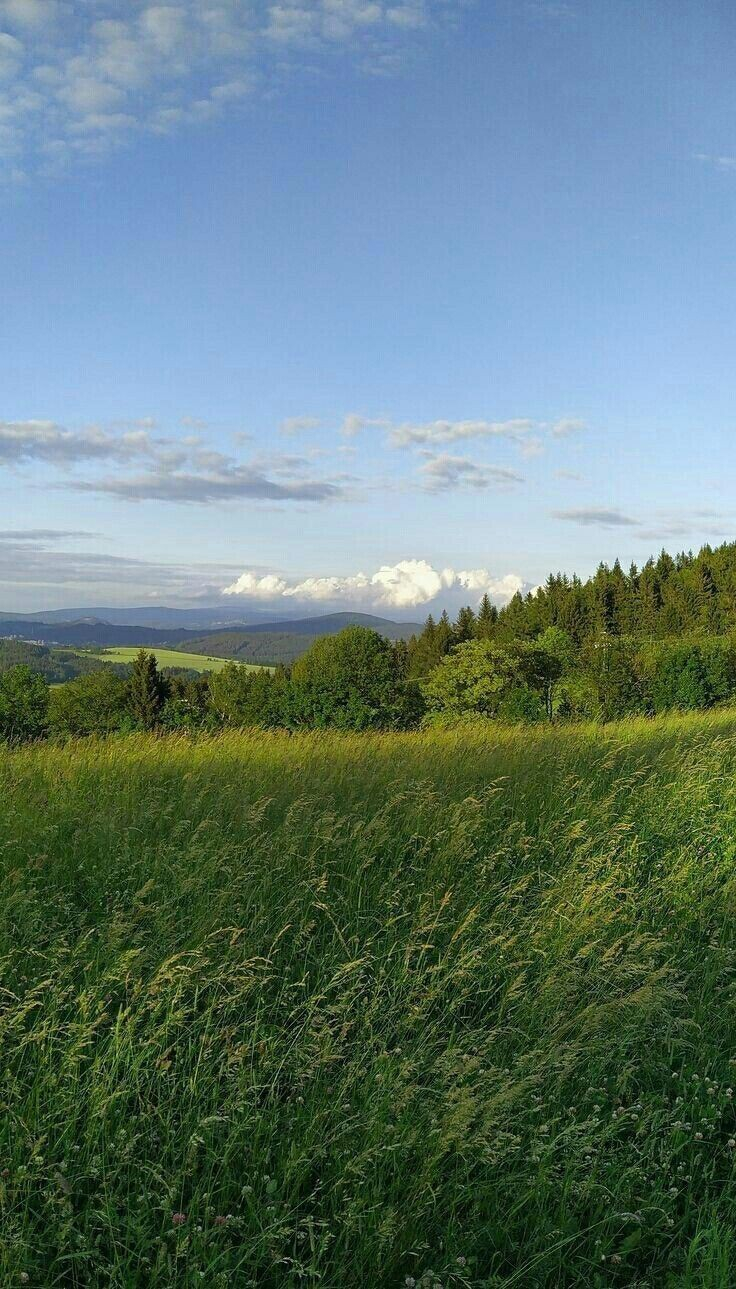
(670, 596)
(654, 640)
(358, 680)
(56, 665)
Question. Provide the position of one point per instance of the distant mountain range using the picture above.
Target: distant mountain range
(160, 617)
(260, 641)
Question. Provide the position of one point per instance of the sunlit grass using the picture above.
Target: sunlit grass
(164, 658)
(338, 1011)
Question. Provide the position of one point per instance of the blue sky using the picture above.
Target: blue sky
(360, 303)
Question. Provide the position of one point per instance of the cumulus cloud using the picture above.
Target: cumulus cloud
(445, 473)
(407, 585)
(77, 78)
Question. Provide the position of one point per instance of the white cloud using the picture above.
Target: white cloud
(258, 588)
(77, 78)
(408, 584)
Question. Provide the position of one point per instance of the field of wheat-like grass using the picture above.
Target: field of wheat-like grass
(450, 1009)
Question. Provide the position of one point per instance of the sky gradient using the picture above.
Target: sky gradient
(347, 303)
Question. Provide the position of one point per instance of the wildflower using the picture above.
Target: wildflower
(25, 1279)
(698, 1136)
(615, 1257)
(731, 1142)
(410, 1282)
(461, 1261)
(178, 1219)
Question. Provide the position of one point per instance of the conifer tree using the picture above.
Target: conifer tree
(146, 691)
(486, 619)
(464, 628)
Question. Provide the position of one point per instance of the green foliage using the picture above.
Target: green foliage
(55, 665)
(258, 648)
(249, 698)
(475, 677)
(480, 677)
(146, 692)
(334, 1010)
(188, 703)
(24, 701)
(94, 704)
(667, 597)
(349, 681)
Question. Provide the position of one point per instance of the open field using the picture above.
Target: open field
(166, 658)
(338, 1011)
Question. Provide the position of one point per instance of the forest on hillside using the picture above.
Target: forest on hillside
(645, 642)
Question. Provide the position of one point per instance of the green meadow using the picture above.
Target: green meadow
(443, 1009)
(166, 658)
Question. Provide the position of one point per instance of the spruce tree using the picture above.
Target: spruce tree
(464, 628)
(486, 619)
(146, 692)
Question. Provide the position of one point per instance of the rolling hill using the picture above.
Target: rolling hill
(284, 642)
(262, 643)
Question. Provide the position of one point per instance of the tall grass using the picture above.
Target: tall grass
(341, 1011)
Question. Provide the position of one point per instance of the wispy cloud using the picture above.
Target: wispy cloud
(46, 535)
(31, 563)
(524, 431)
(718, 162)
(174, 470)
(554, 10)
(78, 78)
(596, 516)
(446, 473)
(218, 481)
(657, 527)
(299, 424)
